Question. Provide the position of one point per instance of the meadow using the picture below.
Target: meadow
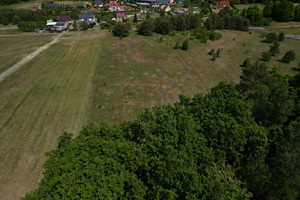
(15, 47)
(93, 77)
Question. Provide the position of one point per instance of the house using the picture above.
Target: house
(65, 19)
(86, 17)
(166, 2)
(98, 3)
(60, 26)
(92, 10)
(223, 4)
(120, 16)
(51, 5)
(113, 6)
(165, 8)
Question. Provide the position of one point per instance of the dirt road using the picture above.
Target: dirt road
(27, 59)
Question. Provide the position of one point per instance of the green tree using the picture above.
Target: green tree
(185, 45)
(146, 27)
(187, 3)
(271, 38)
(84, 26)
(266, 56)
(267, 11)
(289, 56)
(135, 20)
(297, 13)
(274, 49)
(281, 36)
(120, 29)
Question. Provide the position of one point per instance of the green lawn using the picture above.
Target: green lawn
(95, 77)
(242, 6)
(40, 101)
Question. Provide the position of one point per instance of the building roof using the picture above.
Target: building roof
(120, 15)
(60, 23)
(64, 19)
(51, 5)
(111, 4)
(98, 2)
(93, 9)
(222, 3)
(86, 16)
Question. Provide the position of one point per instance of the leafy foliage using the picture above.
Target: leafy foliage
(121, 29)
(289, 56)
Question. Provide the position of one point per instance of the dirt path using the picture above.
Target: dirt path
(27, 59)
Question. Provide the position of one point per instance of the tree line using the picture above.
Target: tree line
(236, 142)
(227, 19)
(281, 10)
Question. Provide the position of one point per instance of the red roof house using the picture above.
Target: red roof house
(113, 6)
(120, 15)
(223, 4)
(93, 10)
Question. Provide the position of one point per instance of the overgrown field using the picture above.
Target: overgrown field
(95, 77)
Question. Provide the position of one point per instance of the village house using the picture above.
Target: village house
(223, 4)
(165, 8)
(92, 10)
(65, 19)
(120, 17)
(98, 3)
(113, 6)
(86, 17)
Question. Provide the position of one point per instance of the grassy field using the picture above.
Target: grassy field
(95, 77)
(242, 6)
(139, 72)
(14, 48)
(40, 101)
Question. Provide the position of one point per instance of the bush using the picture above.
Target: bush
(214, 57)
(185, 45)
(84, 26)
(271, 38)
(266, 56)
(274, 49)
(120, 29)
(211, 52)
(289, 56)
(281, 36)
(218, 52)
(215, 36)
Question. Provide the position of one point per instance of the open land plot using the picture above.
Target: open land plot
(242, 6)
(138, 72)
(44, 98)
(95, 77)
(14, 47)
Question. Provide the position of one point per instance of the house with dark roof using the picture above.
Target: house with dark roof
(51, 5)
(86, 17)
(66, 18)
(223, 4)
(98, 3)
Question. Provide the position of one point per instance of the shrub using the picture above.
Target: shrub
(266, 56)
(289, 56)
(271, 38)
(218, 52)
(84, 26)
(281, 36)
(211, 52)
(215, 36)
(185, 45)
(214, 57)
(274, 49)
